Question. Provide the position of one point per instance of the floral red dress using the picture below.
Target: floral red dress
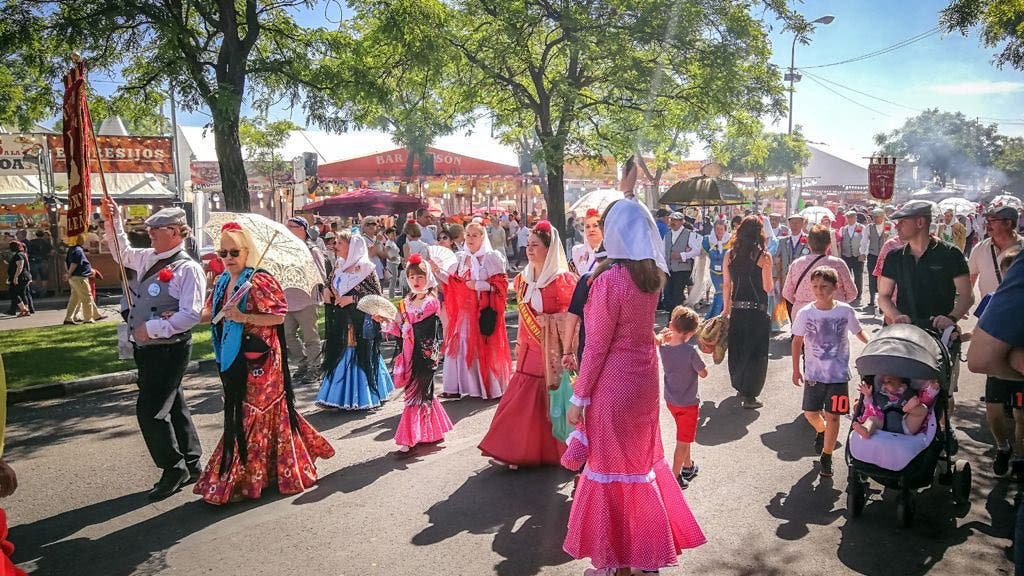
(277, 453)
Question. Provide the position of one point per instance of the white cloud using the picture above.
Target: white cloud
(977, 88)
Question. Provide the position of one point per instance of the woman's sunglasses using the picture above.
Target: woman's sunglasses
(232, 253)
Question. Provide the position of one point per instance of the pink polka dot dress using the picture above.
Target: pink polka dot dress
(628, 510)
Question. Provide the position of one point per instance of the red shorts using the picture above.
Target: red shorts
(686, 422)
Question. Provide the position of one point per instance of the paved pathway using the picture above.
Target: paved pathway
(83, 472)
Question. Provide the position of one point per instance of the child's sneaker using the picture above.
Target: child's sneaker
(826, 466)
(683, 482)
(819, 442)
(689, 473)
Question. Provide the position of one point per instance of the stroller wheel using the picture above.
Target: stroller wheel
(962, 482)
(905, 509)
(856, 498)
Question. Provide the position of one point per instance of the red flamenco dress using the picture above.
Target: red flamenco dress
(266, 440)
(520, 433)
(628, 510)
(476, 364)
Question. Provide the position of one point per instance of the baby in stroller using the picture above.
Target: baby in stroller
(896, 406)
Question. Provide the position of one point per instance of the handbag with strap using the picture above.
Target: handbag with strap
(804, 275)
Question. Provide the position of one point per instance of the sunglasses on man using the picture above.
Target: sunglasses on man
(226, 253)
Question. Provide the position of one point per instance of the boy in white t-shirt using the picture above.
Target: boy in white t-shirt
(820, 337)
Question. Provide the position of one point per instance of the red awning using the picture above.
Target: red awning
(391, 165)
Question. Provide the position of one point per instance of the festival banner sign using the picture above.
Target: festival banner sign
(14, 148)
(882, 177)
(75, 144)
(122, 154)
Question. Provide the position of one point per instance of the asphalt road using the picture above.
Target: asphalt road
(83, 473)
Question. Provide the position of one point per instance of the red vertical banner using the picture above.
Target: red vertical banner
(77, 127)
(882, 177)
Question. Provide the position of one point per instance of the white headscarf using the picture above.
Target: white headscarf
(631, 234)
(354, 268)
(714, 242)
(476, 260)
(554, 264)
(431, 279)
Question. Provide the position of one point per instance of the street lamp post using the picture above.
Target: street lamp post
(792, 76)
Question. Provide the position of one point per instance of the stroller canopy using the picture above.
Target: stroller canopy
(906, 351)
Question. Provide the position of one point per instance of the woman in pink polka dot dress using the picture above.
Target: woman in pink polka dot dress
(628, 511)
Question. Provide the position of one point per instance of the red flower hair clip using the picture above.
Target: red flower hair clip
(166, 274)
(230, 226)
(415, 260)
(543, 226)
(592, 212)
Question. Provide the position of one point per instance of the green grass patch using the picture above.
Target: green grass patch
(61, 353)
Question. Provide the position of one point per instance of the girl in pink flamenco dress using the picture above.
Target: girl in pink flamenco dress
(424, 420)
(628, 511)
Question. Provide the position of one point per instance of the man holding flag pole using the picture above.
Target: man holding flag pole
(164, 297)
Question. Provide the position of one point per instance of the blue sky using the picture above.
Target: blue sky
(947, 71)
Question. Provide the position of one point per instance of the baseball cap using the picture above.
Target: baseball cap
(1003, 213)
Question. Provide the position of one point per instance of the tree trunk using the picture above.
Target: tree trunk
(555, 197)
(234, 183)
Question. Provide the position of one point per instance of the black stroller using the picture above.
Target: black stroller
(907, 351)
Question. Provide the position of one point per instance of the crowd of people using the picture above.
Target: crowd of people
(584, 386)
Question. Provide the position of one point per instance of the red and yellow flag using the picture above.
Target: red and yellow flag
(77, 127)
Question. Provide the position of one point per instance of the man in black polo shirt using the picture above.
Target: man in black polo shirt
(930, 277)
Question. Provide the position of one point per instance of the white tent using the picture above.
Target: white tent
(834, 168)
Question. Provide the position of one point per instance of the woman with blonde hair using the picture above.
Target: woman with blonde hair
(478, 360)
(265, 439)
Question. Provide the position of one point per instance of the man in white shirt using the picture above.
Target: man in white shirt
(878, 234)
(427, 234)
(522, 238)
(302, 311)
(167, 291)
(1001, 226)
(681, 247)
(853, 248)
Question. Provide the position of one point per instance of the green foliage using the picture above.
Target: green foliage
(217, 54)
(582, 78)
(415, 85)
(1001, 22)
(261, 142)
(47, 355)
(948, 144)
(745, 150)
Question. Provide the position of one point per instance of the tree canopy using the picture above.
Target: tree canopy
(217, 54)
(1001, 22)
(948, 144)
(761, 154)
(558, 71)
